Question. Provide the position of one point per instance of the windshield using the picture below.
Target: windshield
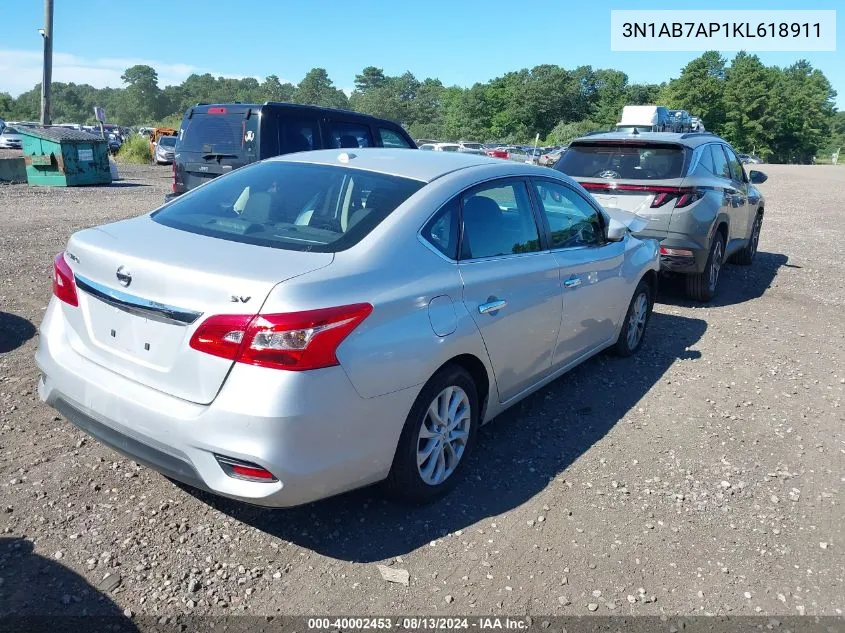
(473, 145)
(214, 133)
(292, 206)
(167, 141)
(626, 161)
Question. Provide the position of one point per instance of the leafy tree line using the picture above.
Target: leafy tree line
(782, 114)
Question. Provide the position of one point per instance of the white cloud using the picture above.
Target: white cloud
(20, 70)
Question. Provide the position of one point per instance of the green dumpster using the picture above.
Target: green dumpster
(62, 157)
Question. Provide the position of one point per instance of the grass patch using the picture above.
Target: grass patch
(135, 150)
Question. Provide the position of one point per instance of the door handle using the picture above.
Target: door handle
(572, 283)
(492, 306)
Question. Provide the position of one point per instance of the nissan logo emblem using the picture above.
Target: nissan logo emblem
(124, 276)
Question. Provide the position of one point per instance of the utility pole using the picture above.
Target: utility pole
(46, 79)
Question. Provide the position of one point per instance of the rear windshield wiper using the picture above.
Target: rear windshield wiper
(218, 155)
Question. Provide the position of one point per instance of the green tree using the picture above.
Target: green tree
(565, 132)
(272, 89)
(142, 99)
(369, 79)
(317, 89)
(749, 115)
(700, 90)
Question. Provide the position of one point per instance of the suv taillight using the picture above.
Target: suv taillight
(296, 341)
(64, 287)
(173, 170)
(683, 196)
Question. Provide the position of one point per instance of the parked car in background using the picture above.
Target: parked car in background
(519, 155)
(680, 121)
(115, 143)
(10, 138)
(216, 139)
(750, 159)
(696, 124)
(165, 150)
(550, 158)
(692, 189)
(471, 148)
(497, 152)
(316, 322)
(644, 118)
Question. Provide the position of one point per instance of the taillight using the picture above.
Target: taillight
(64, 286)
(173, 171)
(296, 341)
(683, 196)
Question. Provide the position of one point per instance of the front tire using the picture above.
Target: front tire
(702, 286)
(636, 319)
(745, 257)
(438, 435)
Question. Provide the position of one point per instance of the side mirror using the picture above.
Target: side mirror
(616, 231)
(757, 177)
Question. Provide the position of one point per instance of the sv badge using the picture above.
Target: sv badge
(239, 299)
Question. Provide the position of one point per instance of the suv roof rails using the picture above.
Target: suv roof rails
(694, 134)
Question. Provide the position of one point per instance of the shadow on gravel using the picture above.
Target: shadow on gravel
(737, 284)
(33, 588)
(517, 456)
(129, 184)
(14, 331)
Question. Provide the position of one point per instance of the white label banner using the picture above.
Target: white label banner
(729, 30)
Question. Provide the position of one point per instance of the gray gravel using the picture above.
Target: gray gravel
(704, 475)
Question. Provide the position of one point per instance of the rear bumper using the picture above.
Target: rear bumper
(310, 429)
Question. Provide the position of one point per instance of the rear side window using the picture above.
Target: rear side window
(215, 133)
(720, 162)
(349, 135)
(291, 206)
(442, 230)
(624, 161)
(296, 135)
(390, 138)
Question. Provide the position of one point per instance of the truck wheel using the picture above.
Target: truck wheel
(745, 257)
(702, 286)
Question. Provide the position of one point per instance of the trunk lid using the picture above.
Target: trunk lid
(144, 288)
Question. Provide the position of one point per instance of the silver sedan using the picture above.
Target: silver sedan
(325, 320)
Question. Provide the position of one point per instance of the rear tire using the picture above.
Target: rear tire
(636, 319)
(438, 435)
(702, 286)
(745, 257)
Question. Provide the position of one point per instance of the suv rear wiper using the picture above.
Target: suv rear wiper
(219, 155)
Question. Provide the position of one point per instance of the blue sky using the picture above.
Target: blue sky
(458, 41)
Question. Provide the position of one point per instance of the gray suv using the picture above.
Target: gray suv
(699, 202)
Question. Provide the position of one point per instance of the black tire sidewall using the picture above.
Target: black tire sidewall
(404, 482)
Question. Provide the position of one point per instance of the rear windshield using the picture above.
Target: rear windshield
(623, 161)
(167, 141)
(292, 206)
(214, 133)
(473, 145)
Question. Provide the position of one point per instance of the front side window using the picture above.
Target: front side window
(291, 206)
(349, 135)
(390, 138)
(498, 220)
(737, 172)
(720, 162)
(572, 220)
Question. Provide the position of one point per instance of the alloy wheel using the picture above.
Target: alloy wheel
(637, 320)
(443, 435)
(715, 265)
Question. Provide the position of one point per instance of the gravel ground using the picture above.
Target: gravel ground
(704, 475)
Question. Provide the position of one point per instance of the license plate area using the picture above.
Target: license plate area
(132, 336)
